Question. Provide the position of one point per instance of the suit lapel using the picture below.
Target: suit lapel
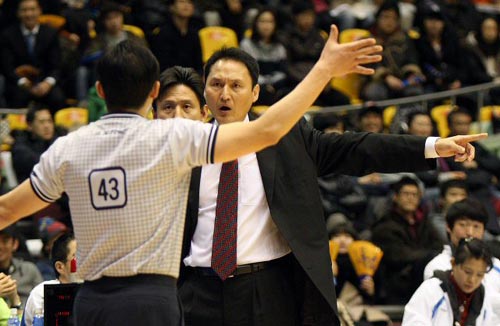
(267, 166)
(193, 200)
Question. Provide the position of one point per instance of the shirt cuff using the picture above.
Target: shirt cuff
(50, 80)
(430, 147)
(22, 81)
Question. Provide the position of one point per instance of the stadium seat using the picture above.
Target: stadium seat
(213, 38)
(350, 84)
(54, 21)
(71, 118)
(440, 115)
(137, 31)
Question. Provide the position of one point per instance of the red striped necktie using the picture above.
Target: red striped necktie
(226, 222)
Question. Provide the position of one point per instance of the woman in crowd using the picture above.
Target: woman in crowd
(269, 53)
(456, 297)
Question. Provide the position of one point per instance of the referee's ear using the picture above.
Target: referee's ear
(100, 90)
(155, 90)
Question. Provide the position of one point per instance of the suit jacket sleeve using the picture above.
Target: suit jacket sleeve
(363, 153)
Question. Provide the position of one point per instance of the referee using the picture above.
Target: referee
(127, 180)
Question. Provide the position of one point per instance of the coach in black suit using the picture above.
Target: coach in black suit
(284, 274)
(31, 57)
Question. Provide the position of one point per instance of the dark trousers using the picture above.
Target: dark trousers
(143, 299)
(260, 298)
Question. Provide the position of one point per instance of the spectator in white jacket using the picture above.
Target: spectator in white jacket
(465, 218)
(455, 297)
(63, 256)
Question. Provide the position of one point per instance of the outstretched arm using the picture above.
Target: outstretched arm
(458, 146)
(18, 203)
(336, 60)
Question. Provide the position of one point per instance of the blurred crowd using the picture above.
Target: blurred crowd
(429, 46)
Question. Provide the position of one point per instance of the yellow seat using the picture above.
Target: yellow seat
(440, 115)
(71, 118)
(17, 121)
(213, 38)
(353, 34)
(350, 84)
(137, 31)
(486, 114)
(54, 21)
(259, 109)
(388, 115)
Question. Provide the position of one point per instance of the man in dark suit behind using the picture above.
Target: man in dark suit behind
(283, 274)
(31, 55)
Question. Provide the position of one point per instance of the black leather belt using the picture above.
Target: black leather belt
(241, 269)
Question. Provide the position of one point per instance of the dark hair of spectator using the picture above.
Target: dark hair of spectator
(60, 249)
(472, 248)
(452, 183)
(127, 73)
(456, 111)
(302, 6)
(388, 5)
(404, 181)
(30, 115)
(234, 54)
(469, 208)
(255, 34)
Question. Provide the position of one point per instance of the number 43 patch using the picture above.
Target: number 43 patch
(108, 188)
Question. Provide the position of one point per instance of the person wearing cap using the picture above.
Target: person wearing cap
(25, 273)
(464, 219)
(63, 256)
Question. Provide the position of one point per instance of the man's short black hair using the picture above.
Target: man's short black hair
(60, 249)
(452, 183)
(457, 110)
(127, 73)
(30, 115)
(404, 181)
(234, 54)
(181, 76)
(469, 208)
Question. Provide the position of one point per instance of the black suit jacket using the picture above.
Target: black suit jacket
(14, 53)
(289, 173)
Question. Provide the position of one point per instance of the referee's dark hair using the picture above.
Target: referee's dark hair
(178, 75)
(127, 73)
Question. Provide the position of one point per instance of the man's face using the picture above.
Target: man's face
(65, 268)
(388, 21)
(371, 122)
(182, 8)
(454, 194)
(28, 13)
(408, 198)
(421, 125)
(344, 240)
(305, 20)
(180, 102)
(465, 228)
(228, 91)
(8, 245)
(460, 124)
(43, 125)
(113, 23)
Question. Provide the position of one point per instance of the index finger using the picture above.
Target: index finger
(474, 137)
